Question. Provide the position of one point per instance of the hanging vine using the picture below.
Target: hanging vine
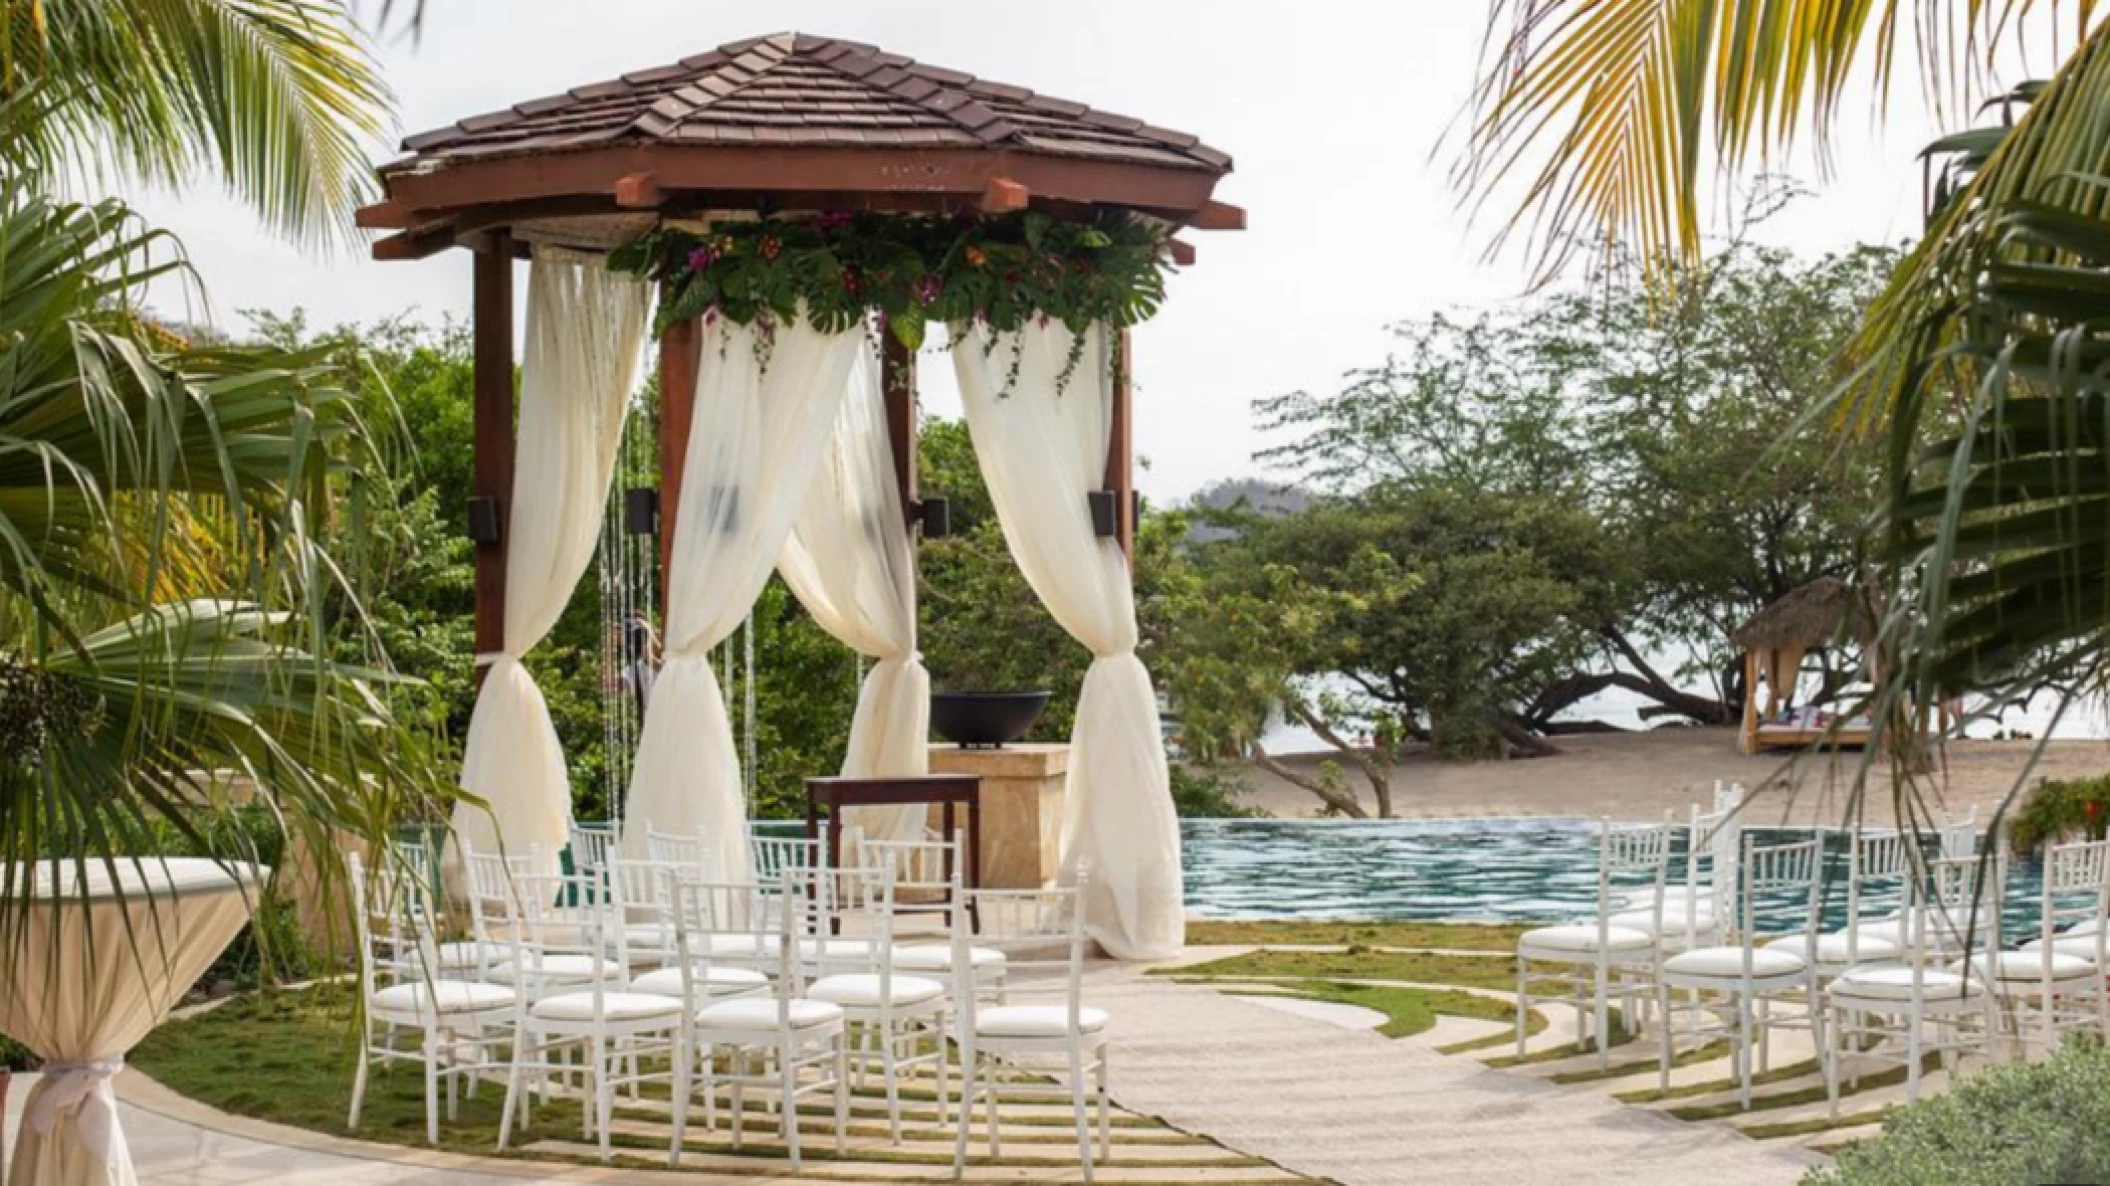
(1003, 271)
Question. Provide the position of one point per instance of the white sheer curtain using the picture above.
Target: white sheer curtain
(1043, 451)
(758, 436)
(585, 329)
(850, 563)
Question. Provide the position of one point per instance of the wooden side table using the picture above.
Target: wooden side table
(949, 791)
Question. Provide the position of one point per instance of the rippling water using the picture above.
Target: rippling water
(1492, 870)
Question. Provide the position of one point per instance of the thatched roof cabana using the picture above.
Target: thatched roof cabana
(1809, 618)
(1818, 615)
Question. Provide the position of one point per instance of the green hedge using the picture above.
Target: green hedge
(2018, 1124)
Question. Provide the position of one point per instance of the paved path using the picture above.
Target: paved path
(1369, 1111)
(1312, 1096)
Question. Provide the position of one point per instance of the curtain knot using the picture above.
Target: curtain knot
(494, 658)
(78, 1091)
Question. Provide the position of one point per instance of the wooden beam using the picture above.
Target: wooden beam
(675, 168)
(1121, 450)
(1003, 195)
(1218, 216)
(492, 475)
(897, 383)
(1182, 253)
(420, 242)
(383, 216)
(638, 191)
(680, 356)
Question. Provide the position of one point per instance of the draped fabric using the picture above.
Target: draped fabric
(1042, 447)
(88, 977)
(585, 328)
(850, 563)
(765, 411)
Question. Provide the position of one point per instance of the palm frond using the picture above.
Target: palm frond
(1607, 116)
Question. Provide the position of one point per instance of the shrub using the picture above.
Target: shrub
(1208, 792)
(2058, 809)
(2019, 1124)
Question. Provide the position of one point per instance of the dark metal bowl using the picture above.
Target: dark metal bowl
(984, 720)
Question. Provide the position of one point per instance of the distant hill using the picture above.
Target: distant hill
(1268, 498)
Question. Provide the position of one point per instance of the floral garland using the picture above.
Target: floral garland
(1003, 271)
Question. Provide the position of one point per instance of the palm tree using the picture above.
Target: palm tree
(278, 98)
(166, 612)
(1983, 370)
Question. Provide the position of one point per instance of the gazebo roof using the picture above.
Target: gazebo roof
(788, 121)
(1808, 618)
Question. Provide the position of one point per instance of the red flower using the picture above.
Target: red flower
(771, 246)
(975, 258)
(851, 281)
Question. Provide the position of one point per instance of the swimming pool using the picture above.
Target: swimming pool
(1485, 870)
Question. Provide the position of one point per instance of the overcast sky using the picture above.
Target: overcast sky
(1335, 113)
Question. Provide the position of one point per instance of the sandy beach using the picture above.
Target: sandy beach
(1638, 776)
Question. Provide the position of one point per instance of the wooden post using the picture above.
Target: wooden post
(897, 381)
(679, 359)
(1121, 450)
(492, 343)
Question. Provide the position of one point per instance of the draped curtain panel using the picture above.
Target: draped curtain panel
(851, 564)
(765, 413)
(585, 331)
(1042, 448)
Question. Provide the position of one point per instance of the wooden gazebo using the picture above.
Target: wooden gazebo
(1821, 614)
(778, 124)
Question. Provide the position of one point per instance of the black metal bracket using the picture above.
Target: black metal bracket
(641, 510)
(933, 515)
(484, 525)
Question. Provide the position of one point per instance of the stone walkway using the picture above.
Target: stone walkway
(1303, 1092)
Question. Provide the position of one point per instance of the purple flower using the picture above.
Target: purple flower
(835, 219)
(928, 290)
(701, 259)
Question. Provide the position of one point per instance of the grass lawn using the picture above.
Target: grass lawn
(1465, 971)
(288, 1056)
(1410, 1010)
(1291, 932)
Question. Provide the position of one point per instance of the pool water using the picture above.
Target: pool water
(1487, 870)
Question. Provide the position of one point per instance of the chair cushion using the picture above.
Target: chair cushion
(937, 957)
(454, 996)
(861, 990)
(615, 1006)
(1678, 898)
(1036, 1021)
(666, 982)
(1895, 984)
(760, 1015)
(2025, 966)
(560, 969)
(1837, 948)
(1727, 963)
(1584, 937)
(2068, 943)
(1940, 926)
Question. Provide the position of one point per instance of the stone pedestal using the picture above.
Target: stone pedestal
(1022, 795)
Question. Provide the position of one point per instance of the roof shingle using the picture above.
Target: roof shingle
(802, 89)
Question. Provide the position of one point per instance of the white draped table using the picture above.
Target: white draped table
(93, 965)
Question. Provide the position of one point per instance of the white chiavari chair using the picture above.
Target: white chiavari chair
(609, 1035)
(1911, 1007)
(1739, 988)
(898, 1018)
(1058, 1048)
(1879, 863)
(784, 1040)
(1595, 965)
(2059, 974)
(457, 1023)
